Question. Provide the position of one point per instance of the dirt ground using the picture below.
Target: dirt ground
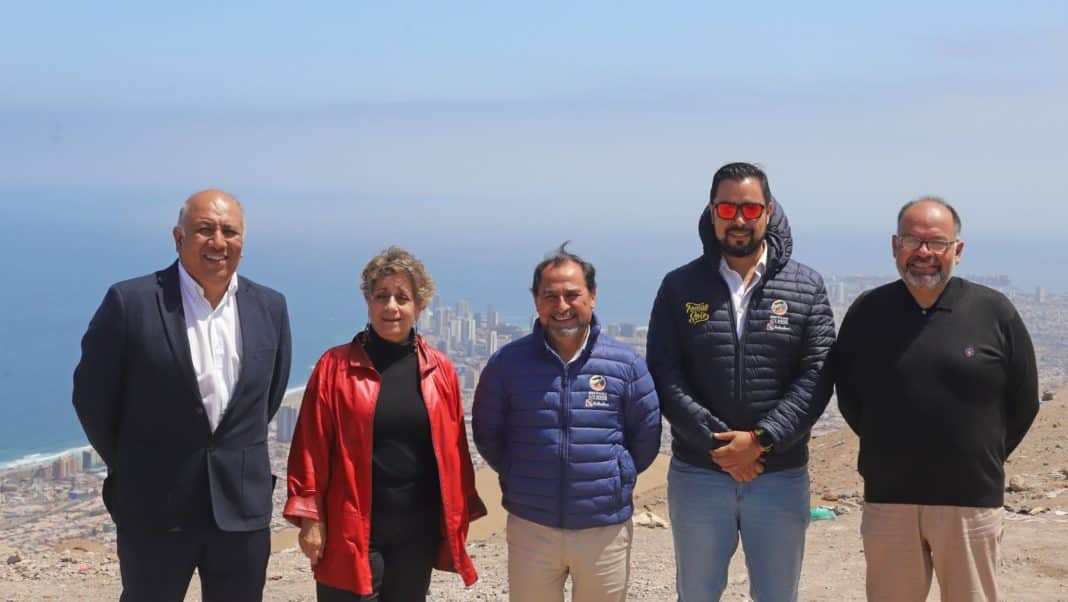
(1034, 565)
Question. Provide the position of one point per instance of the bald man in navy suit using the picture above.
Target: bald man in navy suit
(181, 372)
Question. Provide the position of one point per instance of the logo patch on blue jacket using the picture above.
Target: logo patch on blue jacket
(598, 382)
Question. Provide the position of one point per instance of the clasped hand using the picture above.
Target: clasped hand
(740, 457)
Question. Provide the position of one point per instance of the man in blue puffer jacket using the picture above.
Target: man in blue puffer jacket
(737, 343)
(568, 417)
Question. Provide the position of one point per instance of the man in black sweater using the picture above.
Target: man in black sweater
(937, 376)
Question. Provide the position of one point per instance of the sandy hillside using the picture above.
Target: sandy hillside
(1035, 564)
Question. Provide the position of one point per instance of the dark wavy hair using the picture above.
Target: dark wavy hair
(562, 255)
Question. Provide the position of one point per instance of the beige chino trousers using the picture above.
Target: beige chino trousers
(904, 542)
(540, 559)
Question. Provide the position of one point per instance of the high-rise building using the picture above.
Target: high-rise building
(493, 318)
(494, 342)
(87, 460)
(627, 330)
(441, 322)
(1040, 295)
(468, 381)
(840, 293)
(463, 309)
(285, 423)
(468, 328)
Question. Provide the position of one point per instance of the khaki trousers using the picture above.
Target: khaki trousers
(540, 558)
(904, 542)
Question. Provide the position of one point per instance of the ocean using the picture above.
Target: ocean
(63, 249)
(60, 263)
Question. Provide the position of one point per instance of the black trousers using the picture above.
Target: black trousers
(402, 553)
(157, 566)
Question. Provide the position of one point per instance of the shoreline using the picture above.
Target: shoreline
(38, 459)
(830, 422)
(46, 456)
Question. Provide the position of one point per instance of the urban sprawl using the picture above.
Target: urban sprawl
(44, 505)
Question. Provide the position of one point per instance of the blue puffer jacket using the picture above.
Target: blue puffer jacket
(774, 378)
(569, 441)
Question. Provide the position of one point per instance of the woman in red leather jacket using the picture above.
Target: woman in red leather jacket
(380, 477)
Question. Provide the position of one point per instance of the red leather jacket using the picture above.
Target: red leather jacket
(330, 462)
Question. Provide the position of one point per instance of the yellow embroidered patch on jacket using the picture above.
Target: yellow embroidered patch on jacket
(697, 312)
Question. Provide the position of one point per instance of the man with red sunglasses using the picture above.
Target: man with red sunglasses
(737, 342)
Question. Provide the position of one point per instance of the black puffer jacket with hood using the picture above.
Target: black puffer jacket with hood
(773, 378)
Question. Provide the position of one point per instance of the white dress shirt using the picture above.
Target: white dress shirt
(740, 293)
(214, 342)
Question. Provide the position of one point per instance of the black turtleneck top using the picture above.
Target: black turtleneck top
(404, 474)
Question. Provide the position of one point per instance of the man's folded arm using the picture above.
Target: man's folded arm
(641, 416)
(694, 422)
(807, 396)
(99, 375)
(1021, 405)
(488, 415)
(283, 358)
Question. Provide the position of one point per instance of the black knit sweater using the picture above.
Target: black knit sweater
(939, 396)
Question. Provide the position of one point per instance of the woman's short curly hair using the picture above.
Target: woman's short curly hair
(395, 260)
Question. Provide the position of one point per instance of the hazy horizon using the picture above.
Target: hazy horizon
(482, 135)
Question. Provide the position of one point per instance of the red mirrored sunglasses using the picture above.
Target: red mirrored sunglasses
(726, 210)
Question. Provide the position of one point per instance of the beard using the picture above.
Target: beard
(740, 251)
(926, 281)
(568, 332)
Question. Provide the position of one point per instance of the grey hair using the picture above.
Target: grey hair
(928, 198)
(395, 260)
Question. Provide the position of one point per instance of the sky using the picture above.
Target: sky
(492, 124)
(480, 135)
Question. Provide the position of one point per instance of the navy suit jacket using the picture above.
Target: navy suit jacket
(136, 395)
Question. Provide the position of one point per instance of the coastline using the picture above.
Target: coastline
(37, 459)
(44, 457)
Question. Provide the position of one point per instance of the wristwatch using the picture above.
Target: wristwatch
(764, 440)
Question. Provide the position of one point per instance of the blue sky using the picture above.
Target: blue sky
(482, 134)
(422, 118)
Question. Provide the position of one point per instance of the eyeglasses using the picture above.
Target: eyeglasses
(936, 246)
(725, 210)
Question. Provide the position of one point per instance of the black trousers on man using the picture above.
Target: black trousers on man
(157, 566)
